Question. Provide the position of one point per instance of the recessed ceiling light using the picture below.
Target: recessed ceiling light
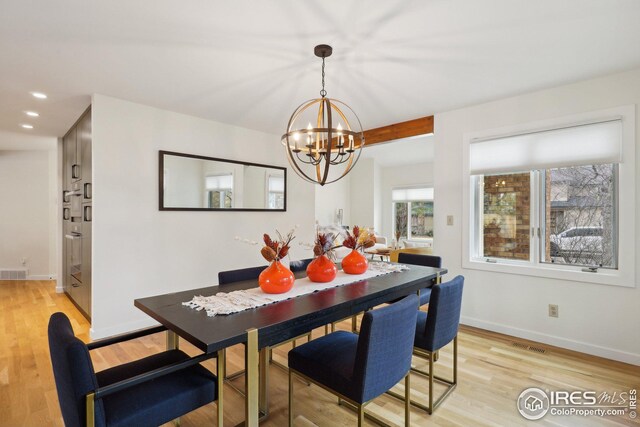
(27, 126)
(32, 114)
(39, 95)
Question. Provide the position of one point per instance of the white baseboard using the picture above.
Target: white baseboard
(42, 277)
(582, 347)
(97, 334)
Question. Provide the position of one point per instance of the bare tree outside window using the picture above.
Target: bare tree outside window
(401, 213)
(580, 216)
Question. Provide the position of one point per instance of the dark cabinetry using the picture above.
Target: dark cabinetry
(77, 213)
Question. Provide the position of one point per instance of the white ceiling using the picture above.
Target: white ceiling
(402, 152)
(250, 63)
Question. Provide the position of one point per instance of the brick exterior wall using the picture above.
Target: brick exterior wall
(507, 202)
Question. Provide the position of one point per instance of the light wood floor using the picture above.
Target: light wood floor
(492, 373)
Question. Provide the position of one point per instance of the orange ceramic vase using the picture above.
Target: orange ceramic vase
(321, 270)
(355, 263)
(276, 279)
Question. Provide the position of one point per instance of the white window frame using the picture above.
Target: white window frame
(624, 275)
(393, 212)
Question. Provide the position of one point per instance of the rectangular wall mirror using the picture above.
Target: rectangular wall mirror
(190, 182)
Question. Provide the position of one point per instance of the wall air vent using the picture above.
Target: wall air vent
(13, 274)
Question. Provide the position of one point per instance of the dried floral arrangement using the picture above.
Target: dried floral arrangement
(323, 245)
(360, 239)
(275, 250)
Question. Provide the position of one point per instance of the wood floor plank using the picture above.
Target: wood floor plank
(492, 373)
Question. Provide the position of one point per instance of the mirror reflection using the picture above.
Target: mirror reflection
(190, 182)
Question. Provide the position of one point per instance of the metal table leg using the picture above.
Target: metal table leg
(251, 379)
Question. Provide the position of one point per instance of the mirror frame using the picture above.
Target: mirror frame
(161, 206)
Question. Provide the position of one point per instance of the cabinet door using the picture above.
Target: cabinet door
(86, 258)
(84, 144)
(69, 158)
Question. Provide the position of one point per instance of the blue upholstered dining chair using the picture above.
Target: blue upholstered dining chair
(232, 276)
(426, 261)
(299, 265)
(359, 368)
(434, 330)
(146, 392)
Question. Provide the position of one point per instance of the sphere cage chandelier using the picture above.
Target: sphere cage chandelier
(312, 150)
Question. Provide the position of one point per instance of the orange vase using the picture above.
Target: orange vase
(276, 279)
(355, 263)
(321, 270)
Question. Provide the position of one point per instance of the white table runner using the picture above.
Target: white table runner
(236, 301)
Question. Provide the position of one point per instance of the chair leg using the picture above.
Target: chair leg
(90, 402)
(176, 422)
(360, 415)
(455, 360)
(407, 399)
(431, 374)
(290, 399)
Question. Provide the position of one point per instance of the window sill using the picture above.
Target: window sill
(602, 277)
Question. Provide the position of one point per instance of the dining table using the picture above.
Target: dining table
(268, 325)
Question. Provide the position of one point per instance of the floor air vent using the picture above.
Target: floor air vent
(7, 274)
(528, 347)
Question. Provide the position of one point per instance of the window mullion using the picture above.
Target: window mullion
(535, 232)
(408, 220)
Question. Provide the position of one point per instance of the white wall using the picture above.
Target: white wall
(139, 251)
(400, 176)
(334, 196)
(597, 319)
(28, 192)
(363, 183)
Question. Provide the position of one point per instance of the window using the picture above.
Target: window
(219, 190)
(580, 216)
(275, 190)
(552, 201)
(412, 213)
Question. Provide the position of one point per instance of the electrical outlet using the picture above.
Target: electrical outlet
(553, 310)
(449, 219)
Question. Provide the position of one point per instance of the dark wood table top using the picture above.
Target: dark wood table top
(282, 320)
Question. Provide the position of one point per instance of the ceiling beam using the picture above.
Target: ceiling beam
(421, 126)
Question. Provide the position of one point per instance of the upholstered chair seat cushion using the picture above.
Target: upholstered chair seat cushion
(425, 296)
(421, 339)
(329, 360)
(157, 401)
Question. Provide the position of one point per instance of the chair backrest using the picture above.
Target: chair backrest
(385, 345)
(443, 317)
(419, 259)
(232, 276)
(73, 372)
(300, 265)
